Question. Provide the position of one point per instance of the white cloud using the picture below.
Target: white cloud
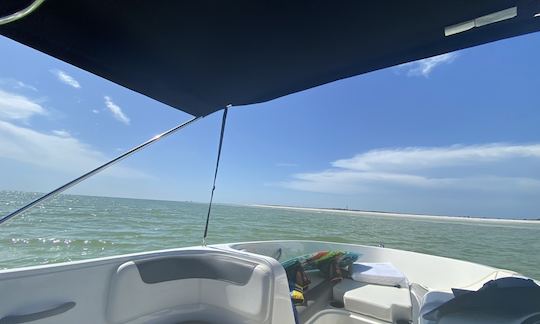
(67, 79)
(21, 84)
(95, 111)
(17, 107)
(59, 151)
(116, 111)
(55, 151)
(416, 158)
(348, 182)
(16, 84)
(425, 66)
(61, 133)
(491, 167)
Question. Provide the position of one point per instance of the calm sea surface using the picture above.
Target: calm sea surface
(80, 227)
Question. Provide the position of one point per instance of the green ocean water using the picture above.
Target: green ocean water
(79, 227)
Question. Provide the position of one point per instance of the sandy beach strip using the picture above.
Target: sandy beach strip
(399, 215)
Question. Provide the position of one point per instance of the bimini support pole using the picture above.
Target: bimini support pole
(223, 121)
(21, 13)
(95, 171)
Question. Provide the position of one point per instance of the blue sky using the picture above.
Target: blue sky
(455, 134)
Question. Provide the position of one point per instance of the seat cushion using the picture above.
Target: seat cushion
(378, 274)
(382, 302)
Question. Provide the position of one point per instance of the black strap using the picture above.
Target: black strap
(223, 121)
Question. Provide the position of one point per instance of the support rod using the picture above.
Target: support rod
(223, 122)
(95, 171)
(21, 13)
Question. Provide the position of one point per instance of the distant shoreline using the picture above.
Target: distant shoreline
(327, 210)
(403, 215)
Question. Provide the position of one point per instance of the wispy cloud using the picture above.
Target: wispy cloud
(418, 158)
(18, 107)
(503, 167)
(61, 133)
(16, 84)
(95, 111)
(66, 79)
(426, 66)
(59, 151)
(23, 85)
(56, 151)
(116, 111)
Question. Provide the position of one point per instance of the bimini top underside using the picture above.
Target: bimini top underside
(199, 56)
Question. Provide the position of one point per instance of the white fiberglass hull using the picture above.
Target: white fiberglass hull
(240, 282)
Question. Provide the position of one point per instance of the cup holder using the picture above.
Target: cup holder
(336, 304)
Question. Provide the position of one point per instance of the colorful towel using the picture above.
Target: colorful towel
(328, 262)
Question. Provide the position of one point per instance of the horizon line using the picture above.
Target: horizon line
(293, 207)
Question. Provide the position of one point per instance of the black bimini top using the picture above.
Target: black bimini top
(201, 55)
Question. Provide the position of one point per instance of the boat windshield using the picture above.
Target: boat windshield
(438, 156)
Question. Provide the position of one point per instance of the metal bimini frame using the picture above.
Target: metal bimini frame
(21, 13)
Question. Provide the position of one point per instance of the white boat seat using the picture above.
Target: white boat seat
(385, 303)
(385, 274)
(208, 288)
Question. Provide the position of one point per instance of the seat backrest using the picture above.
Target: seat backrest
(215, 267)
(187, 284)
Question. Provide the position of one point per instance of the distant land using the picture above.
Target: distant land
(404, 215)
(319, 209)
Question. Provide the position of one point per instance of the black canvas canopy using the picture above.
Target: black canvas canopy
(201, 55)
